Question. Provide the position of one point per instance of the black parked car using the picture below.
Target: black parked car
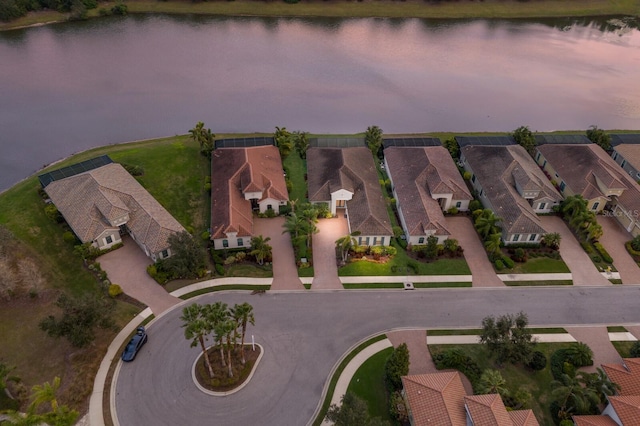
(135, 344)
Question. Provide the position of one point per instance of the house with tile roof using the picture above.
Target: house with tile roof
(626, 152)
(425, 182)
(102, 203)
(509, 183)
(440, 399)
(587, 170)
(346, 179)
(244, 180)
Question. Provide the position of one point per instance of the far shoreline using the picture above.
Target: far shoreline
(467, 9)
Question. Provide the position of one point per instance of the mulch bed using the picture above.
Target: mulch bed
(221, 382)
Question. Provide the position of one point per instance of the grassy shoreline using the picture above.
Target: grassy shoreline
(467, 9)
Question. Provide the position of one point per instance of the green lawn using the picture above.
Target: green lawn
(249, 270)
(538, 383)
(478, 331)
(296, 169)
(623, 348)
(537, 283)
(368, 384)
(539, 265)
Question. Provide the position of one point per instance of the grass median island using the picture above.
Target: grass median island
(221, 382)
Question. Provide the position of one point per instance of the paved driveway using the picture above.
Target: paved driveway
(613, 238)
(325, 269)
(597, 338)
(127, 267)
(482, 272)
(285, 272)
(420, 361)
(583, 271)
(305, 334)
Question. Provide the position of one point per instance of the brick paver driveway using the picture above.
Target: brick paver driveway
(597, 338)
(420, 361)
(127, 267)
(325, 269)
(613, 238)
(482, 272)
(285, 272)
(583, 271)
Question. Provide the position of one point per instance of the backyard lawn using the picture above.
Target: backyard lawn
(296, 168)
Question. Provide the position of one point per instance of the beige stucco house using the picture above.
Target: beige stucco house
(244, 180)
(425, 183)
(626, 152)
(346, 179)
(100, 204)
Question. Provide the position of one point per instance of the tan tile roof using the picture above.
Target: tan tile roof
(494, 166)
(89, 200)
(238, 170)
(579, 164)
(594, 421)
(436, 399)
(487, 410)
(353, 169)
(631, 153)
(523, 418)
(417, 173)
(627, 376)
(627, 408)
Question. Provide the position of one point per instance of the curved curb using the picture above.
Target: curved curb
(231, 392)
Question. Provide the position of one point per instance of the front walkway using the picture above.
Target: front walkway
(285, 272)
(325, 268)
(482, 272)
(127, 267)
(597, 338)
(613, 238)
(583, 271)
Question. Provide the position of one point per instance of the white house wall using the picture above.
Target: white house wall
(341, 194)
(275, 204)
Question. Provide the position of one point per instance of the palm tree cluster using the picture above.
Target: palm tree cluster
(582, 220)
(204, 137)
(42, 395)
(261, 249)
(580, 393)
(223, 324)
(301, 223)
(486, 223)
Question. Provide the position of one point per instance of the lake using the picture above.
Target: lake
(69, 87)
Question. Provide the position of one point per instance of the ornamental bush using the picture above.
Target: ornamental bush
(115, 290)
(538, 361)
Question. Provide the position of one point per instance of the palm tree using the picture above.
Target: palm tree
(283, 141)
(224, 331)
(261, 250)
(45, 393)
(486, 223)
(594, 231)
(197, 132)
(293, 224)
(600, 383)
(216, 314)
(5, 376)
(344, 244)
(492, 381)
(572, 395)
(492, 244)
(552, 240)
(196, 328)
(580, 354)
(243, 314)
(573, 204)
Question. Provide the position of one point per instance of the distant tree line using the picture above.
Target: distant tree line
(14, 9)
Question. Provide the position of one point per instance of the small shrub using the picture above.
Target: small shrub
(458, 360)
(69, 238)
(115, 290)
(635, 350)
(519, 255)
(538, 361)
(132, 169)
(190, 230)
(397, 231)
(390, 250)
(508, 262)
(603, 252)
(205, 236)
(207, 187)
(635, 243)
(467, 176)
(240, 256)
(453, 210)
(556, 363)
(120, 9)
(499, 265)
(220, 269)
(586, 247)
(475, 205)
(270, 213)
(230, 260)
(52, 213)
(596, 258)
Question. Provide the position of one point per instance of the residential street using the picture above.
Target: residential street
(305, 333)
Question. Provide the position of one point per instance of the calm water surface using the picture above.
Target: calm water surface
(69, 87)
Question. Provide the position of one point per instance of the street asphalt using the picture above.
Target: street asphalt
(305, 333)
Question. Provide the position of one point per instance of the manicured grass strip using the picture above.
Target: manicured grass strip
(540, 265)
(455, 332)
(368, 384)
(248, 287)
(454, 284)
(623, 348)
(305, 272)
(307, 286)
(551, 330)
(248, 270)
(296, 169)
(356, 286)
(616, 329)
(537, 283)
(336, 376)
(615, 281)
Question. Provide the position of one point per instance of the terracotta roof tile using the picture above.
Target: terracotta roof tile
(627, 409)
(487, 410)
(627, 376)
(436, 399)
(523, 418)
(594, 421)
(631, 153)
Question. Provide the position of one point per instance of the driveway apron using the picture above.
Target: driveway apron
(583, 271)
(482, 272)
(285, 272)
(613, 238)
(325, 268)
(597, 338)
(420, 361)
(127, 267)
